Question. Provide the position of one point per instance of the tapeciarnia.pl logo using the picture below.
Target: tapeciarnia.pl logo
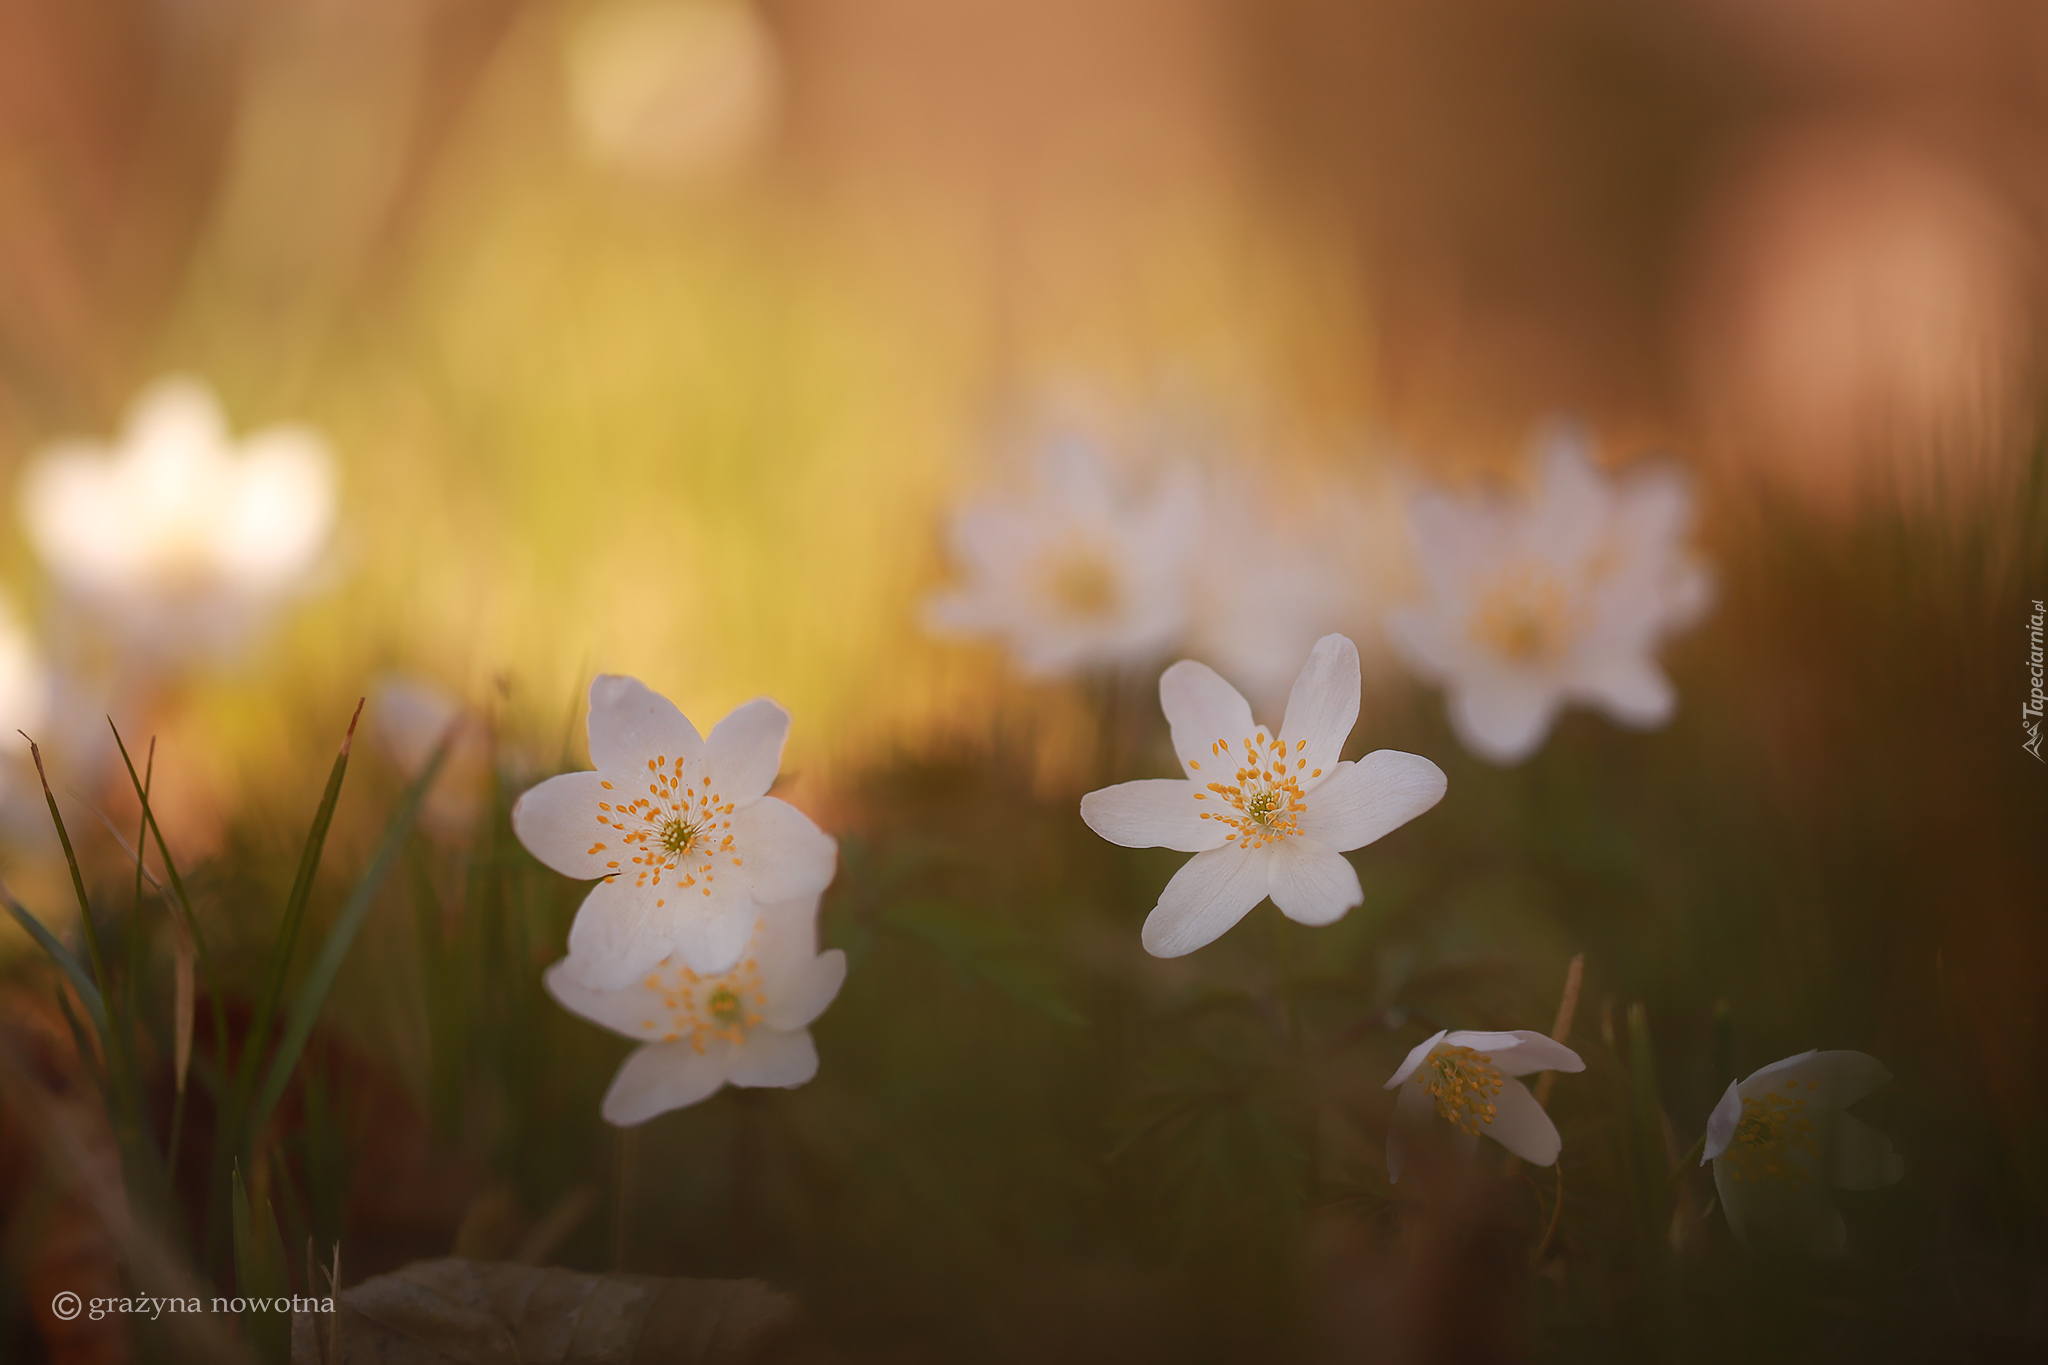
(2030, 712)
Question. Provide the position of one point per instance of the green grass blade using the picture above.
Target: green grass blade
(92, 933)
(260, 1273)
(306, 1009)
(258, 1038)
(81, 979)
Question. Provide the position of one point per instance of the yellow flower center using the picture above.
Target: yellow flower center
(703, 1008)
(1524, 614)
(1463, 1084)
(1771, 1132)
(1264, 794)
(1082, 584)
(677, 831)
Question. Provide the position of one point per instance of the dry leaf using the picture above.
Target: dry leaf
(459, 1312)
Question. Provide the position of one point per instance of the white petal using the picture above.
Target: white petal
(1630, 688)
(1312, 883)
(1414, 1111)
(1362, 801)
(559, 823)
(1531, 1051)
(1520, 1125)
(1503, 719)
(622, 1011)
(631, 725)
(744, 751)
(785, 856)
(1864, 1159)
(801, 996)
(1734, 1195)
(1833, 1079)
(1211, 892)
(709, 933)
(770, 1058)
(1201, 708)
(665, 1076)
(1160, 812)
(617, 935)
(1322, 708)
(1721, 1125)
(1416, 1056)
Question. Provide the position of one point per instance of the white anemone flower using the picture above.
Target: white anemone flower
(1562, 599)
(1464, 1082)
(748, 1026)
(1264, 814)
(1780, 1139)
(178, 536)
(1076, 573)
(680, 830)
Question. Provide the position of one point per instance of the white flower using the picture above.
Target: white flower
(1467, 1080)
(681, 830)
(178, 536)
(748, 1026)
(24, 686)
(1560, 600)
(1075, 574)
(1779, 1139)
(1263, 815)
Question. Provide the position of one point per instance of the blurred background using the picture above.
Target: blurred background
(661, 336)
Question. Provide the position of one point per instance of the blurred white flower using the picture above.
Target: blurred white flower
(1263, 815)
(1467, 1080)
(177, 537)
(24, 685)
(748, 1026)
(1780, 1139)
(1564, 598)
(685, 867)
(1076, 573)
(678, 89)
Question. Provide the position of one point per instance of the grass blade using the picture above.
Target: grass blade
(306, 1009)
(92, 933)
(260, 1273)
(81, 979)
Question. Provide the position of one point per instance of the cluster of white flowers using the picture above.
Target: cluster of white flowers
(1527, 604)
(700, 938)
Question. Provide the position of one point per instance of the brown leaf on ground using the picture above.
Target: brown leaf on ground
(458, 1312)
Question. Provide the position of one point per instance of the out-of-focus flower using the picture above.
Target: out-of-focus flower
(747, 1026)
(409, 717)
(1564, 598)
(178, 536)
(1264, 815)
(679, 829)
(677, 89)
(1467, 1080)
(1076, 573)
(24, 686)
(1780, 1139)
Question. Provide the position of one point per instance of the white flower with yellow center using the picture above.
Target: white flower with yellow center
(746, 1026)
(1264, 814)
(1562, 599)
(1781, 1139)
(178, 536)
(1462, 1085)
(680, 830)
(1075, 574)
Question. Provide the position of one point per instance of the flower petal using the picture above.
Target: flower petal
(1864, 1158)
(1630, 688)
(1520, 1125)
(1414, 1111)
(1417, 1055)
(625, 1011)
(1200, 709)
(1211, 892)
(631, 725)
(1721, 1125)
(804, 994)
(771, 1058)
(744, 751)
(1322, 708)
(665, 1076)
(1362, 801)
(785, 856)
(1157, 812)
(1503, 718)
(1834, 1079)
(709, 933)
(559, 823)
(1311, 882)
(617, 935)
(1532, 1051)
